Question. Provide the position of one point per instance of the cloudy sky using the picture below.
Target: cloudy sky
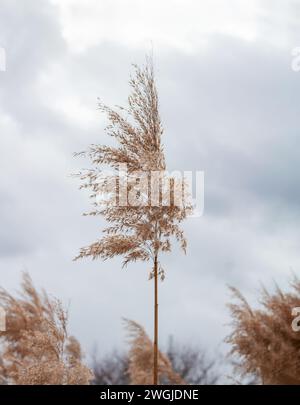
(230, 106)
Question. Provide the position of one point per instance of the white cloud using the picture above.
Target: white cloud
(181, 24)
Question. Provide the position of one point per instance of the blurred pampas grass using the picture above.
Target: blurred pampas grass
(264, 340)
(36, 347)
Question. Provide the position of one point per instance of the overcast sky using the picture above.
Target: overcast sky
(230, 106)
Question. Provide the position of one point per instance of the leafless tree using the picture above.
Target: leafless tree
(189, 365)
(193, 364)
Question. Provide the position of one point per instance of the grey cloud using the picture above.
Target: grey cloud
(230, 109)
